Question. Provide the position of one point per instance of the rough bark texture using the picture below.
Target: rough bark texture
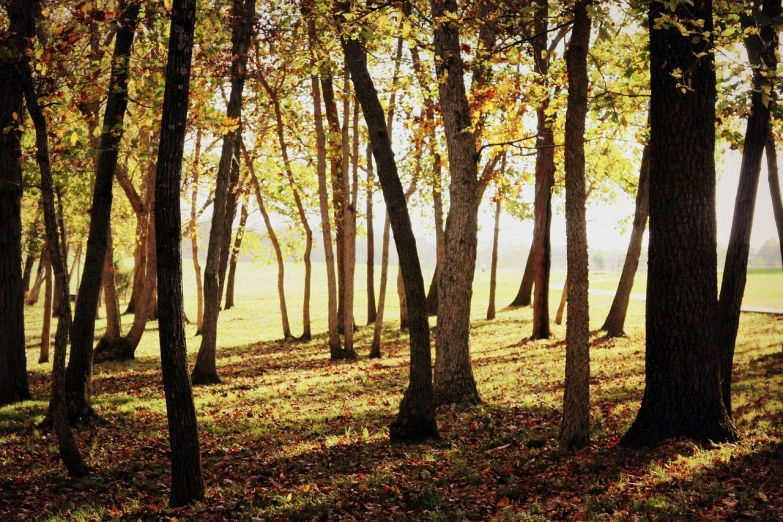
(14, 42)
(371, 309)
(232, 268)
(682, 396)
(761, 50)
(79, 373)
(493, 272)
(774, 187)
(69, 451)
(187, 485)
(454, 382)
(416, 418)
(545, 179)
(205, 370)
(615, 321)
(575, 428)
(46, 328)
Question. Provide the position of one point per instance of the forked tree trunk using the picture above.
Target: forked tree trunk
(761, 49)
(371, 309)
(615, 321)
(46, 328)
(416, 418)
(79, 373)
(287, 337)
(575, 427)
(232, 269)
(187, 484)
(682, 396)
(774, 187)
(493, 271)
(205, 370)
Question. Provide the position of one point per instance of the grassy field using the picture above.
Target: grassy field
(289, 435)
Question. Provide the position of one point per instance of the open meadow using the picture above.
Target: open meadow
(290, 435)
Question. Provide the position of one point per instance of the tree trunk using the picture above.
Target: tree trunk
(682, 396)
(615, 321)
(46, 329)
(27, 272)
(33, 249)
(335, 350)
(187, 484)
(416, 418)
(111, 299)
(375, 347)
(205, 370)
(761, 50)
(562, 305)
(774, 187)
(76, 261)
(287, 337)
(349, 190)
(13, 361)
(69, 451)
(232, 269)
(575, 427)
(371, 310)
(454, 382)
(228, 226)
(35, 291)
(194, 236)
(493, 273)
(79, 373)
(146, 302)
(440, 239)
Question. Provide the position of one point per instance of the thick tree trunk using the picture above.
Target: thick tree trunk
(454, 382)
(682, 396)
(287, 337)
(69, 451)
(205, 370)
(335, 350)
(615, 321)
(575, 428)
(774, 187)
(232, 268)
(416, 418)
(194, 236)
(13, 361)
(79, 373)
(493, 272)
(371, 309)
(187, 484)
(46, 328)
(761, 50)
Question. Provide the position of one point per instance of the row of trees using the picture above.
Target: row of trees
(251, 102)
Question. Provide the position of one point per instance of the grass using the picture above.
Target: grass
(289, 435)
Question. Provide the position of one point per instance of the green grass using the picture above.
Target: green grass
(290, 435)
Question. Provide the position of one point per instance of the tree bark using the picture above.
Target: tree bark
(79, 373)
(524, 295)
(774, 187)
(205, 370)
(228, 226)
(46, 328)
(440, 239)
(14, 42)
(375, 347)
(416, 418)
(187, 484)
(111, 299)
(194, 236)
(27, 271)
(350, 190)
(232, 269)
(493, 272)
(575, 427)
(761, 50)
(454, 382)
(615, 321)
(371, 309)
(35, 292)
(682, 396)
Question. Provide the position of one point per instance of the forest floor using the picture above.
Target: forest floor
(289, 435)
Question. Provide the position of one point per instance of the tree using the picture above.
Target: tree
(187, 484)
(232, 269)
(454, 382)
(46, 327)
(774, 187)
(761, 48)
(14, 43)
(416, 418)
(205, 370)
(575, 428)
(78, 375)
(682, 396)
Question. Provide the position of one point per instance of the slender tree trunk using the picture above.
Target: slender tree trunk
(13, 361)
(371, 310)
(69, 451)
(454, 382)
(761, 50)
(228, 226)
(493, 273)
(561, 307)
(144, 307)
(682, 396)
(187, 484)
(33, 249)
(524, 295)
(335, 350)
(416, 418)
(27, 271)
(76, 262)
(46, 329)
(111, 299)
(575, 427)
(375, 347)
(287, 337)
(232, 269)
(35, 291)
(205, 370)
(79, 373)
(404, 319)
(350, 189)
(615, 321)
(774, 187)
(194, 236)
(440, 236)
